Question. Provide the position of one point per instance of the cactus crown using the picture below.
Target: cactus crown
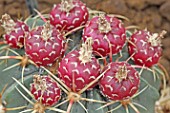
(104, 25)
(122, 73)
(47, 31)
(7, 23)
(155, 39)
(86, 51)
(66, 5)
(40, 84)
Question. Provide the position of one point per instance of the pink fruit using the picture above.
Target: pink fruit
(45, 90)
(44, 45)
(79, 68)
(146, 47)
(68, 15)
(105, 30)
(15, 31)
(121, 81)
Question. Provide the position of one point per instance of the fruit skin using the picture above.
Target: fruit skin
(146, 53)
(44, 49)
(47, 88)
(83, 73)
(116, 88)
(15, 31)
(16, 37)
(111, 30)
(74, 14)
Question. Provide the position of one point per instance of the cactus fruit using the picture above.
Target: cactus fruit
(146, 47)
(45, 90)
(120, 82)
(80, 67)
(68, 15)
(44, 45)
(108, 34)
(14, 31)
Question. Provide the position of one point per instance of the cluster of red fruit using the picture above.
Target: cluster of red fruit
(102, 35)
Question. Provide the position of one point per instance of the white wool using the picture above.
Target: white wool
(2, 109)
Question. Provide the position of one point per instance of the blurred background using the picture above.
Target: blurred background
(151, 14)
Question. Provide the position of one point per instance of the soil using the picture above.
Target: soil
(151, 14)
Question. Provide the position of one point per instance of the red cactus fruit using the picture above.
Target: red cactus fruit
(146, 47)
(15, 31)
(44, 45)
(68, 15)
(45, 90)
(120, 82)
(105, 30)
(79, 68)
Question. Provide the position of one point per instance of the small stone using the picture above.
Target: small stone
(113, 6)
(137, 4)
(8, 1)
(1, 2)
(155, 17)
(1, 7)
(165, 26)
(166, 42)
(155, 2)
(166, 53)
(91, 3)
(165, 63)
(44, 7)
(1, 31)
(165, 10)
(48, 2)
(11, 9)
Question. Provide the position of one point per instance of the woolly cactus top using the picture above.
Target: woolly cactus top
(7, 23)
(86, 51)
(155, 39)
(46, 32)
(39, 83)
(122, 73)
(103, 25)
(66, 5)
(2, 109)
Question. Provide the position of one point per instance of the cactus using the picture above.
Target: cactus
(77, 97)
